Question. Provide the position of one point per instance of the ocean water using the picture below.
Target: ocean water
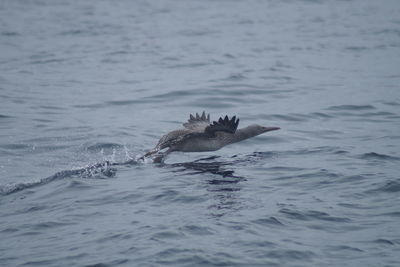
(86, 87)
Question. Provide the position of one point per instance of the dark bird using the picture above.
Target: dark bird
(200, 135)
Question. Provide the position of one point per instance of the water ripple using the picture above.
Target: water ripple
(377, 156)
(268, 221)
(388, 187)
(99, 171)
(312, 215)
(351, 107)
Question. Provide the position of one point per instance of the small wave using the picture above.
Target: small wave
(6, 33)
(312, 215)
(314, 150)
(110, 263)
(291, 254)
(90, 106)
(4, 116)
(341, 152)
(384, 241)
(374, 155)
(380, 113)
(196, 230)
(290, 118)
(235, 77)
(388, 187)
(51, 107)
(320, 115)
(347, 248)
(47, 61)
(356, 48)
(189, 65)
(392, 214)
(389, 31)
(78, 185)
(193, 257)
(49, 224)
(268, 221)
(323, 134)
(199, 32)
(285, 169)
(119, 52)
(16, 146)
(391, 103)
(351, 107)
(74, 32)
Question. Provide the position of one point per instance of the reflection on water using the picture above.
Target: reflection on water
(223, 185)
(208, 165)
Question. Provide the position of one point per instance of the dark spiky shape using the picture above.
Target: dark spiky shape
(198, 122)
(223, 125)
(203, 117)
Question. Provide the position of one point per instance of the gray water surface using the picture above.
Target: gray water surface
(86, 87)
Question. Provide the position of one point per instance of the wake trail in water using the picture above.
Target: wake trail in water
(100, 170)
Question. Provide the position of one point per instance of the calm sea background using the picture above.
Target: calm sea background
(86, 87)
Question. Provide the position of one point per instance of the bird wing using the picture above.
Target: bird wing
(197, 123)
(198, 126)
(223, 125)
